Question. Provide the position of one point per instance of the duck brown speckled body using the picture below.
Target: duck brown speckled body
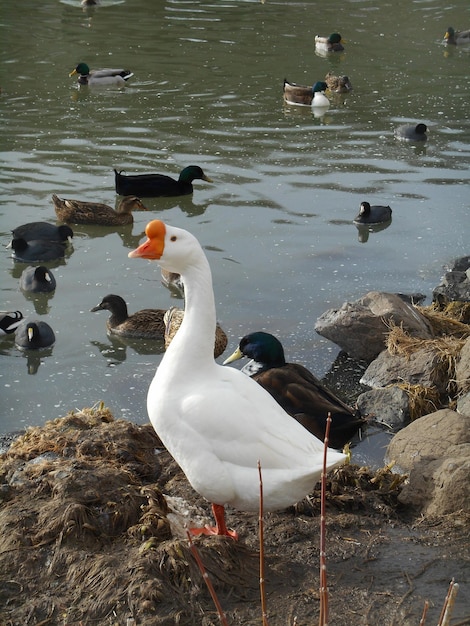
(173, 318)
(338, 84)
(144, 324)
(82, 212)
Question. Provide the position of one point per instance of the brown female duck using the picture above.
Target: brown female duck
(338, 84)
(144, 324)
(173, 318)
(82, 212)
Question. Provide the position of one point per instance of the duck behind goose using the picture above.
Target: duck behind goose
(296, 389)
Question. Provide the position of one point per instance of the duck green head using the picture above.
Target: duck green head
(193, 172)
(319, 86)
(82, 69)
(334, 38)
(262, 347)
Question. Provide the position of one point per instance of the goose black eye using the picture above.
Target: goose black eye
(173, 238)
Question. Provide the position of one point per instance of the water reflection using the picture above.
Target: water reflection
(40, 301)
(364, 230)
(115, 350)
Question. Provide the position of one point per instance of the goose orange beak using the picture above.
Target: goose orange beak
(152, 248)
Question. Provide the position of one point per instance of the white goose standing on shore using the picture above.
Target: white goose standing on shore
(215, 421)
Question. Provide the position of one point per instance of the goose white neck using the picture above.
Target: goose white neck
(195, 337)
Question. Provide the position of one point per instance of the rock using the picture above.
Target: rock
(422, 367)
(388, 406)
(360, 328)
(462, 370)
(456, 282)
(435, 451)
(463, 405)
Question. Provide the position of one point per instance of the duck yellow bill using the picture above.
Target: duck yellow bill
(238, 354)
(155, 244)
(73, 72)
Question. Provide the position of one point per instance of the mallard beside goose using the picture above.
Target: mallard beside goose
(44, 231)
(83, 212)
(217, 423)
(411, 132)
(37, 250)
(159, 185)
(144, 324)
(296, 389)
(102, 77)
(301, 94)
(373, 214)
(37, 280)
(9, 321)
(456, 37)
(332, 43)
(34, 335)
(338, 84)
(173, 319)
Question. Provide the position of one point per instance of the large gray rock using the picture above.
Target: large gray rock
(435, 451)
(456, 282)
(387, 406)
(422, 367)
(360, 328)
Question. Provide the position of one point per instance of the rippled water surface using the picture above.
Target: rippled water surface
(276, 222)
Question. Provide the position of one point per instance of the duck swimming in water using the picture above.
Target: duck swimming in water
(159, 185)
(375, 214)
(411, 132)
(84, 212)
(215, 421)
(37, 280)
(100, 78)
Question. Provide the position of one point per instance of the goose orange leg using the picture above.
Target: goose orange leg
(220, 528)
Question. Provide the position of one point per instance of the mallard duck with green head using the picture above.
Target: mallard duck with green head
(307, 96)
(456, 37)
(296, 389)
(159, 185)
(82, 212)
(332, 43)
(103, 77)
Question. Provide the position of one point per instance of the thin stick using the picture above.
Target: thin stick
(447, 609)
(205, 575)
(422, 621)
(323, 617)
(262, 587)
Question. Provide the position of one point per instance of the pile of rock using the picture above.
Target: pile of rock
(418, 366)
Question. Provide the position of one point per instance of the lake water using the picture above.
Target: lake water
(276, 222)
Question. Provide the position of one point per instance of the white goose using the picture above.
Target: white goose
(215, 421)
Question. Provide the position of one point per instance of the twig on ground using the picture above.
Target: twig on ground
(323, 617)
(262, 587)
(205, 575)
(446, 613)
